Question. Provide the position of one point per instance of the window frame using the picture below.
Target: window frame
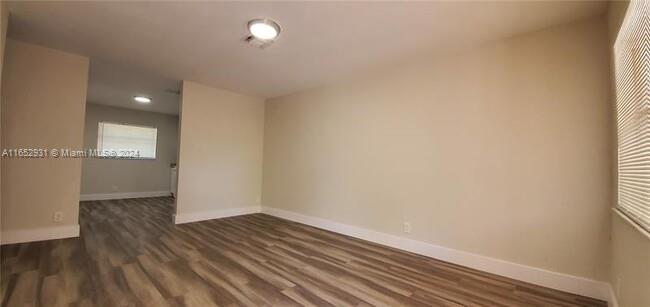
(621, 73)
(100, 137)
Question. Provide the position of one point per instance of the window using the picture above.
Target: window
(632, 69)
(126, 141)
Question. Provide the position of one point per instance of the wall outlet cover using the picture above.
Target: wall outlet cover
(58, 217)
(407, 227)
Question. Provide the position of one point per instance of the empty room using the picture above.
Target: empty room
(325, 153)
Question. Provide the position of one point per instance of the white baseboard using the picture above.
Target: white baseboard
(39, 234)
(214, 214)
(560, 281)
(106, 196)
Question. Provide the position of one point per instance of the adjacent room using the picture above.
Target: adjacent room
(325, 153)
(121, 114)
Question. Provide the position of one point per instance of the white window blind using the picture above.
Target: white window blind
(632, 69)
(126, 141)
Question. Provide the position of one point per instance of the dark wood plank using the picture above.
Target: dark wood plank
(130, 254)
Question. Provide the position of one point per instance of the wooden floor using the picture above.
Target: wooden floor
(129, 254)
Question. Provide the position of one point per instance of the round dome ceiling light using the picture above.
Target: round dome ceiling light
(264, 29)
(142, 99)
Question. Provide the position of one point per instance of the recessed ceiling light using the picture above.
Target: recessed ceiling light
(264, 29)
(142, 99)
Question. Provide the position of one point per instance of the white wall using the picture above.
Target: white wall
(43, 105)
(220, 159)
(108, 176)
(502, 150)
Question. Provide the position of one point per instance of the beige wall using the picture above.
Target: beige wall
(630, 252)
(220, 159)
(502, 150)
(43, 104)
(630, 263)
(4, 22)
(101, 176)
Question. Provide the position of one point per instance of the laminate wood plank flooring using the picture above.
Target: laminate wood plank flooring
(130, 254)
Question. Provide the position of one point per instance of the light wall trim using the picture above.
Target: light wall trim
(125, 195)
(214, 214)
(559, 281)
(612, 300)
(39, 234)
(632, 223)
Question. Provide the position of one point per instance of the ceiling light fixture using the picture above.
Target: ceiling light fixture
(142, 99)
(264, 29)
(263, 32)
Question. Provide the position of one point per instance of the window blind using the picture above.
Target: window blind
(121, 141)
(632, 71)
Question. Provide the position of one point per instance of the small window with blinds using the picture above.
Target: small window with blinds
(126, 141)
(632, 69)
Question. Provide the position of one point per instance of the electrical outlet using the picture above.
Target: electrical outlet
(407, 227)
(58, 217)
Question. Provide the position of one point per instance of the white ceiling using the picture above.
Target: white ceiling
(115, 85)
(320, 41)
